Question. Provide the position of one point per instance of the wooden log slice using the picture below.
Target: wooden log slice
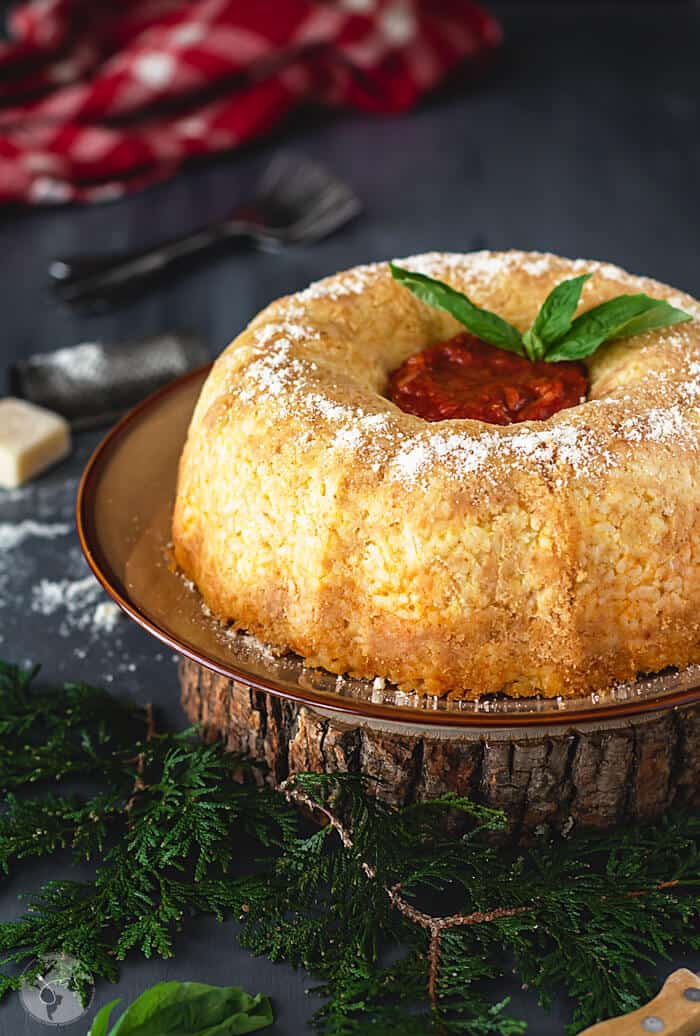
(589, 775)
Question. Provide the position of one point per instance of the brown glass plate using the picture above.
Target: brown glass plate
(123, 512)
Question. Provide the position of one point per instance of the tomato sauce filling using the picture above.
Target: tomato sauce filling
(465, 377)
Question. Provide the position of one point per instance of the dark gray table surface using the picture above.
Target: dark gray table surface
(584, 141)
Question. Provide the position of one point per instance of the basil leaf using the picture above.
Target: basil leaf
(663, 314)
(617, 318)
(188, 1009)
(534, 346)
(555, 315)
(101, 1019)
(482, 323)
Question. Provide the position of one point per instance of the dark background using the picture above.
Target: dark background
(583, 139)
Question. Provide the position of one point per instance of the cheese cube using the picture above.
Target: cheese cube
(31, 439)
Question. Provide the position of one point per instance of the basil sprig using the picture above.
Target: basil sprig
(555, 335)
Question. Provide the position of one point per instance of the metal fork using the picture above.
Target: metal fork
(297, 201)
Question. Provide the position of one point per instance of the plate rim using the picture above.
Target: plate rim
(595, 714)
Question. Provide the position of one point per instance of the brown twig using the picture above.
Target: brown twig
(140, 760)
(657, 888)
(293, 794)
(435, 926)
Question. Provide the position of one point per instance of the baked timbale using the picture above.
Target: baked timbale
(551, 557)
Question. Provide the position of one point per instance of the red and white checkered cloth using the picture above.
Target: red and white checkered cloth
(98, 98)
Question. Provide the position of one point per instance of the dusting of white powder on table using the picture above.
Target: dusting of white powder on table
(79, 601)
(13, 534)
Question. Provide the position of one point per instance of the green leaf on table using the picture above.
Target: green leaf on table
(487, 326)
(620, 317)
(187, 1009)
(101, 1019)
(555, 315)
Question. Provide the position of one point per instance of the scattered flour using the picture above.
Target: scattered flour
(49, 601)
(15, 562)
(106, 616)
(80, 603)
(72, 595)
(13, 534)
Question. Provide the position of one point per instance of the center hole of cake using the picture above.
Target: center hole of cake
(467, 378)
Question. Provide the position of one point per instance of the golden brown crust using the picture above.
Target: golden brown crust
(549, 557)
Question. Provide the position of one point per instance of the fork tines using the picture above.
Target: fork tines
(317, 201)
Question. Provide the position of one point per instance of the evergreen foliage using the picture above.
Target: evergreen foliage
(353, 902)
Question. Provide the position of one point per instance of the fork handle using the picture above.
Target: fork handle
(674, 1012)
(108, 278)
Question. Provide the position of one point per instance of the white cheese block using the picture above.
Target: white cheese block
(31, 439)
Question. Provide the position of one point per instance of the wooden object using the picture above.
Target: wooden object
(674, 1012)
(593, 774)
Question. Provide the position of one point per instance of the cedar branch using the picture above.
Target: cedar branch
(435, 926)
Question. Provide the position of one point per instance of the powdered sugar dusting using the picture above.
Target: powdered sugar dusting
(348, 438)
(276, 370)
(662, 425)
(407, 450)
(538, 265)
(608, 271)
(459, 454)
(481, 266)
(560, 448)
(690, 305)
(272, 373)
(565, 443)
(689, 389)
(333, 412)
(352, 282)
(413, 460)
(296, 332)
(475, 265)
(360, 432)
(375, 422)
(488, 266)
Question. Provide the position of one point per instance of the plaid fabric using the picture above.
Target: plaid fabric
(99, 98)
